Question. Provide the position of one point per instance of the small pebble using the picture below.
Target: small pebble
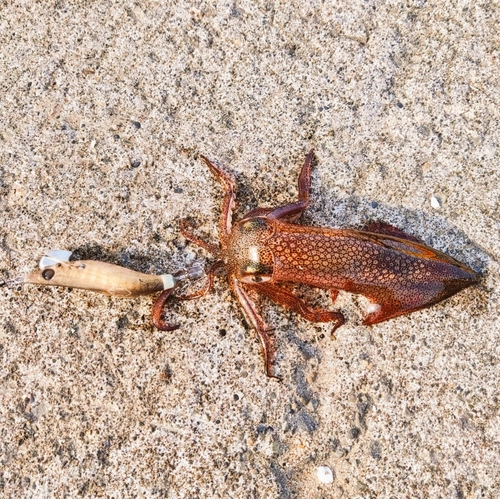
(324, 474)
(435, 202)
(355, 432)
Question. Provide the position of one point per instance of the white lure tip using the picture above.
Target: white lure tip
(54, 256)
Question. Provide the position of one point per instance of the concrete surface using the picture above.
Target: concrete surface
(104, 107)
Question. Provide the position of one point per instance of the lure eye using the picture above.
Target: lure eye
(48, 274)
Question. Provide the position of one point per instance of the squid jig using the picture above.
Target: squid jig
(56, 269)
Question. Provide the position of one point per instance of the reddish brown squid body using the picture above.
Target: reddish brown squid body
(266, 249)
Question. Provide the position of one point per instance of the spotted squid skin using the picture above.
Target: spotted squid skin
(384, 269)
(399, 275)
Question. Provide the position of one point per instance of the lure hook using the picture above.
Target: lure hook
(11, 283)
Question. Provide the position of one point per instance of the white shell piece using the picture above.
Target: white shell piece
(435, 202)
(168, 281)
(54, 256)
(324, 474)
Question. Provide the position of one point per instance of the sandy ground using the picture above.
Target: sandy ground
(104, 109)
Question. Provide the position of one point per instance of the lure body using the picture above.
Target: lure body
(56, 269)
(100, 277)
(266, 252)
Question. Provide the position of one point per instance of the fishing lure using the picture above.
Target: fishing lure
(267, 251)
(56, 269)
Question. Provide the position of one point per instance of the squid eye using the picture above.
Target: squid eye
(254, 224)
(256, 279)
(253, 271)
